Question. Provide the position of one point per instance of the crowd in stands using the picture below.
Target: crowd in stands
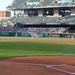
(6, 28)
(33, 29)
(43, 29)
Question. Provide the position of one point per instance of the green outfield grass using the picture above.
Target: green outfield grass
(12, 49)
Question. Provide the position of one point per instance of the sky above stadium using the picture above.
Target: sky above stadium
(4, 4)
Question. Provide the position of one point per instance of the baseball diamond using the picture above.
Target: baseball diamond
(37, 37)
(36, 65)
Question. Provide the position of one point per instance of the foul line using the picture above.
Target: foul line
(51, 67)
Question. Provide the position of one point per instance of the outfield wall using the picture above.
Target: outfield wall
(24, 34)
(29, 34)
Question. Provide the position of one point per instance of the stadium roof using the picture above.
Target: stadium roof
(28, 4)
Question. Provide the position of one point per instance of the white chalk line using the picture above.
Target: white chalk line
(72, 73)
(51, 67)
(47, 66)
(24, 63)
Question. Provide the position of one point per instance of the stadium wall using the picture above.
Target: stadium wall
(29, 34)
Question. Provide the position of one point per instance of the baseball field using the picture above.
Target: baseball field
(37, 56)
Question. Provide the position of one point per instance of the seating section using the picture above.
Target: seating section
(34, 29)
(34, 0)
(65, 4)
(51, 20)
(52, 4)
(70, 20)
(12, 19)
(6, 29)
(41, 20)
(18, 3)
(23, 4)
(67, 20)
(43, 29)
(18, 19)
(59, 4)
(72, 4)
(38, 20)
(47, 2)
(34, 20)
(28, 6)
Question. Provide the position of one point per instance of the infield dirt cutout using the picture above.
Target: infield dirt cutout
(38, 65)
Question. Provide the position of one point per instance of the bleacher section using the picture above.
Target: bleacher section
(29, 4)
(51, 20)
(46, 2)
(6, 29)
(40, 16)
(35, 20)
(18, 19)
(31, 30)
(43, 29)
(34, 0)
(24, 4)
(72, 4)
(18, 3)
(66, 4)
(69, 21)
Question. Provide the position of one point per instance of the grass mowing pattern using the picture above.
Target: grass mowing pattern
(12, 49)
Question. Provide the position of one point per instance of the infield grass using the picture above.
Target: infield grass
(13, 49)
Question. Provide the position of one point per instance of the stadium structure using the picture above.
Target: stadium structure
(43, 17)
